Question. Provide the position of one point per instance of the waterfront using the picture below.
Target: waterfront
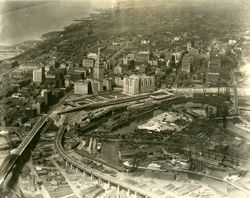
(157, 62)
(58, 15)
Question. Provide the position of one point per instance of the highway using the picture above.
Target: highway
(96, 105)
(10, 160)
(101, 104)
(95, 173)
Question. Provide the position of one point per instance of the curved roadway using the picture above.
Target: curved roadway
(95, 173)
(11, 159)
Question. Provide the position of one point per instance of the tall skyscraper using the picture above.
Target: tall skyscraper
(39, 75)
(98, 69)
(186, 63)
(98, 72)
(137, 84)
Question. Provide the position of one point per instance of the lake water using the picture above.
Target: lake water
(17, 25)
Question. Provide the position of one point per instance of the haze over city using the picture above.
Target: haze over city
(125, 98)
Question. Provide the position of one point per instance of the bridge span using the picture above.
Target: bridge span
(43, 123)
(95, 174)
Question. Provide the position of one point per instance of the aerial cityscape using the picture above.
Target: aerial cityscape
(124, 98)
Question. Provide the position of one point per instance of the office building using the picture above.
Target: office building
(193, 52)
(118, 81)
(142, 57)
(137, 84)
(118, 70)
(98, 69)
(50, 80)
(213, 78)
(186, 63)
(107, 84)
(81, 88)
(88, 62)
(189, 46)
(92, 56)
(214, 65)
(94, 87)
(39, 75)
(47, 95)
(59, 74)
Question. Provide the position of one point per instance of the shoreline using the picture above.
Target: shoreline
(83, 12)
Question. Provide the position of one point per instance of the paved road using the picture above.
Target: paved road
(110, 102)
(95, 173)
(11, 159)
(1, 75)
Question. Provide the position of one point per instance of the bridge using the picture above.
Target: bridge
(101, 104)
(42, 124)
(95, 105)
(95, 174)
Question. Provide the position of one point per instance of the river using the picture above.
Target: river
(20, 21)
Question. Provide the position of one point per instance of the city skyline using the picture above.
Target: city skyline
(136, 100)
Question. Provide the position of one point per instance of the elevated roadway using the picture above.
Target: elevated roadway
(96, 105)
(94, 173)
(10, 160)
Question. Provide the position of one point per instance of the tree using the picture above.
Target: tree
(137, 159)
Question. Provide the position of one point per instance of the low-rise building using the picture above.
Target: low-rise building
(142, 57)
(117, 69)
(107, 84)
(88, 62)
(118, 81)
(213, 78)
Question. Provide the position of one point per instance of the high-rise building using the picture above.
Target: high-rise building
(214, 65)
(137, 84)
(98, 69)
(189, 46)
(186, 63)
(47, 95)
(39, 75)
(193, 52)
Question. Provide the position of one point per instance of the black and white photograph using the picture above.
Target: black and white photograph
(124, 98)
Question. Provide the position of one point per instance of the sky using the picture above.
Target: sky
(22, 20)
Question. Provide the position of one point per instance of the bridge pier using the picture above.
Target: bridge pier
(99, 181)
(128, 192)
(109, 186)
(118, 188)
(91, 177)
